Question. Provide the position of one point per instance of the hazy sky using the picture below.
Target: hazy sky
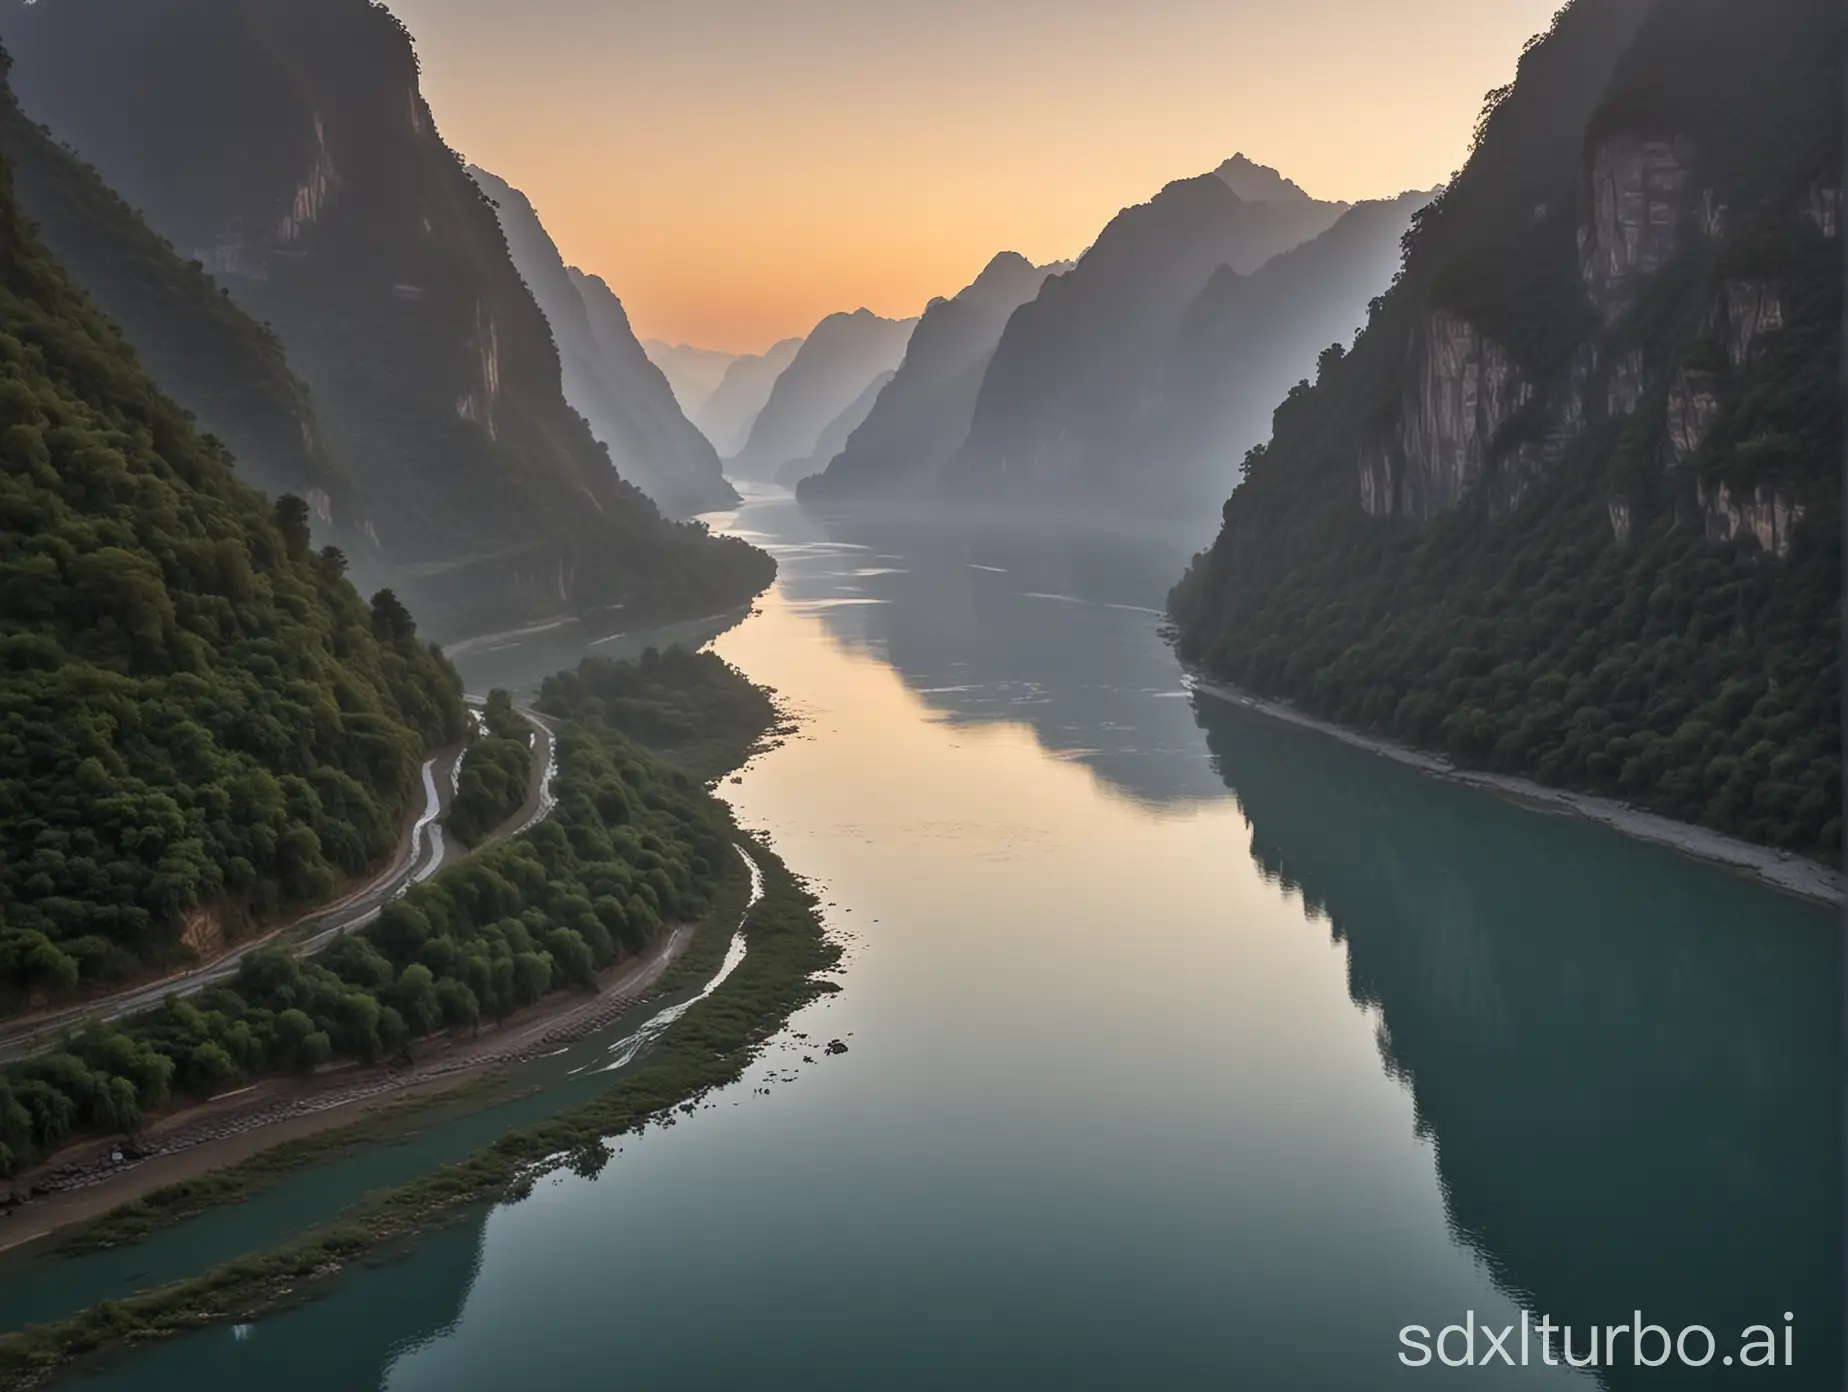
(738, 168)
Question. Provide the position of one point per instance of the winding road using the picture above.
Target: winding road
(422, 851)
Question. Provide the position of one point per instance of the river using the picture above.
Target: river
(1185, 1050)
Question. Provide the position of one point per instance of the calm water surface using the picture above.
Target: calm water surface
(1186, 1051)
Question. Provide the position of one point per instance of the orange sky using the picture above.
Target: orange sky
(738, 168)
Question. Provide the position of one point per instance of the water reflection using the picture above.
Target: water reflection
(1043, 624)
(1629, 1066)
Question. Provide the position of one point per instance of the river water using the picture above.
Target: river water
(1185, 1050)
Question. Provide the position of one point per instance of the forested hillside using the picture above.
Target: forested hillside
(634, 844)
(201, 722)
(194, 341)
(1571, 506)
(289, 149)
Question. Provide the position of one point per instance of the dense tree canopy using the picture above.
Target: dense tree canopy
(200, 721)
(633, 843)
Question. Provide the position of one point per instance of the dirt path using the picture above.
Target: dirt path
(1792, 873)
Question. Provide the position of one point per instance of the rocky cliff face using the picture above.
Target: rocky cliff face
(917, 425)
(204, 351)
(288, 149)
(1571, 504)
(1648, 208)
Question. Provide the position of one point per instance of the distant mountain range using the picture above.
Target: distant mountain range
(693, 373)
(288, 150)
(829, 372)
(922, 417)
(834, 437)
(726, 416)
(1075, 369)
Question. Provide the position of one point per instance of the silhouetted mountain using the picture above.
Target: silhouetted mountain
(835, 437)
(693, 373)
(288, 149)
(1571, 506)
(1259, 183)
(1073, 369)
(726, 417)
(1245, 341)
(828, 373)
(608, 379)
(204, 351)
(921, 421)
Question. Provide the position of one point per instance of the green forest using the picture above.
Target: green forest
(496, 772)
(202, 725)
(634, 843)
(1661, 663)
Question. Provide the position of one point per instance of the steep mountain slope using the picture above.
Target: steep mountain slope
(1072, 371)
(726, 417)
(919, 423)
(693, 373)
(202, 722)
(831, 369)
(289, 149)
(834, 438)
(1571, 507)
(201, 348)
(1246, 340)
(606, 376)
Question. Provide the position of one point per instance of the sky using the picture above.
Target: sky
(737, 169)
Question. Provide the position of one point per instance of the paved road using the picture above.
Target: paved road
(423, 851)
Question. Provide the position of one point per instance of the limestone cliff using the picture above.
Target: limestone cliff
(1571, 504)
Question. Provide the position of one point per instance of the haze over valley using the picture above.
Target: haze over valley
(627, 625)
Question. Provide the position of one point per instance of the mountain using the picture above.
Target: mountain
(918, 424)
(834, 438)
(204, 723)
(204, 351)
(693, 373)
(607, 377)
(1570, 507)
(1259, 183)
(1073, 367)
(289, 150)
(1246, 340)
(830, 370)
(726, 417)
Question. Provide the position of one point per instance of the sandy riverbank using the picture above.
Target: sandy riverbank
(1780, 869)
(196, 1140)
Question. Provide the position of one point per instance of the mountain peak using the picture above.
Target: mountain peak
(1259, 183)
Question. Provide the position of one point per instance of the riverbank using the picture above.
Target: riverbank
(207, 1154)
(1781, 870)
(785, 951)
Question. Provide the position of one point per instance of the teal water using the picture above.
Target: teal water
(1186, 1050)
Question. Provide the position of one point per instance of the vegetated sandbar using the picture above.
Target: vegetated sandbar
(213, 1137)
(787, 949)
(1783, 870)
